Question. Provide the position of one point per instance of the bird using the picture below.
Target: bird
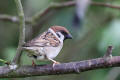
(47, 45)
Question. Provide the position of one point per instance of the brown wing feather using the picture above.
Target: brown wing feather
(46, 39)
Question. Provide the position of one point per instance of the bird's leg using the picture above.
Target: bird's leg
(33, 63)
(54, 62)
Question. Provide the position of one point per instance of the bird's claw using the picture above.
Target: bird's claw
(55, 63)
(33, 63)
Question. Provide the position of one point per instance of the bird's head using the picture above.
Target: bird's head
(61, 32)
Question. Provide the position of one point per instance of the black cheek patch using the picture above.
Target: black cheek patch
(58, 35)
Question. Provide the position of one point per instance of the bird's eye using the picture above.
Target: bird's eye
(64, 33)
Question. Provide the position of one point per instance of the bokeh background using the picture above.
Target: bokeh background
(99, 29)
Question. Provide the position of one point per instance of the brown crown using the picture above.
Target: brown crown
(59, 28)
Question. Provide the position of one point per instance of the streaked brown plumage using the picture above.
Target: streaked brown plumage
(45, 39)
(47, 45)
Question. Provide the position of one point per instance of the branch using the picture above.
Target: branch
(22, 31)
(9, 18)
(38, 15)
(64, 68)
(105, 5)
(13, 19)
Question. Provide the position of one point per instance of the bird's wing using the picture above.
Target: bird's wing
(46, 39)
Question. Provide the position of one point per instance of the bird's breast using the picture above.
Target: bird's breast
(40, 53)
(52, 52)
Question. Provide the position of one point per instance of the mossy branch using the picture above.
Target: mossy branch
(21, 31)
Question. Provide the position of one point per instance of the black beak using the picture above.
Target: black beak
(69, 36)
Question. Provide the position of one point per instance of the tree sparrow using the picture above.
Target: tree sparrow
(47, 45)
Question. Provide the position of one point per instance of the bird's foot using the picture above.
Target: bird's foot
(55, 63)
(33, 63)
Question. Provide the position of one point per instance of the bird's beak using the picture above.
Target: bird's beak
(69, 36)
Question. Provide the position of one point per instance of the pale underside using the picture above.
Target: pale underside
(43, 53)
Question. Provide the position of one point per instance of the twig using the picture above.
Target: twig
(67, 4)
(22, 31)
(13, 19)
(105, 5)
(64, 68)
(5, 17)
(38, 15)
(108, 52)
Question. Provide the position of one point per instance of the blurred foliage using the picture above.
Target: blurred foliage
(111, 36)
(100, 29)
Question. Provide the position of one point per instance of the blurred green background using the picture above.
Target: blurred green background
(100, 29)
